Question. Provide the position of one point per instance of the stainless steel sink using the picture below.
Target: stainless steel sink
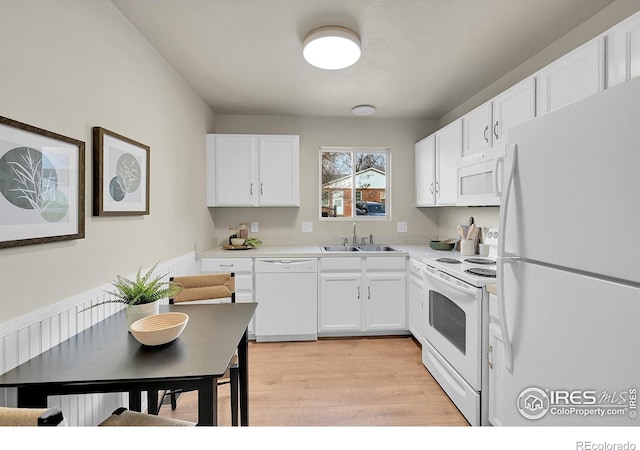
(339, 248)
(376, 248)
(357, 248)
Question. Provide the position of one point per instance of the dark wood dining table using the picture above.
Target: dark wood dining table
(107, 358)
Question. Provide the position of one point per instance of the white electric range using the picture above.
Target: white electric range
(456, 329)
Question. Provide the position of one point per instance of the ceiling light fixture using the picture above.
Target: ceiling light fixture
(331, 48)
(363, 110)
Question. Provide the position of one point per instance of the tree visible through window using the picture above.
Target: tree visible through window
(354, 183)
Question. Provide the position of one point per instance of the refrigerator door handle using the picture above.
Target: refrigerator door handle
(505, 258)
(504, 202)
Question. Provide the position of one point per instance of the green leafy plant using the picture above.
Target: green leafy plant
(253, 242)
(144, 289)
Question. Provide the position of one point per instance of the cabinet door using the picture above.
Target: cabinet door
(340, 302)
(385, 298)
(448, 148)
(623, 51)
(425, 171)
(512, 107)
(234, 170)
(571, 78)
(279, 171)
(496, 364)
(476, 132)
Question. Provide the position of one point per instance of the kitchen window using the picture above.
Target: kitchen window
(354, 183)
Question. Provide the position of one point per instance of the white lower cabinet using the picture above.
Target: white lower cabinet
(242, 268)
(360, 296)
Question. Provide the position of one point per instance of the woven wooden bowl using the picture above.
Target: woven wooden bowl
(159, 329)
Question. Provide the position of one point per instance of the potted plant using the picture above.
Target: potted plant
(142, 294)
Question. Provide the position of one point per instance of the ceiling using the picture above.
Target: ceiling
(420, 58)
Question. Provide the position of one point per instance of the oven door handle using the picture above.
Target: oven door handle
(453, 283)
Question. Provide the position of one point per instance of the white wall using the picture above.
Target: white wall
(280, 226)
(67, 66)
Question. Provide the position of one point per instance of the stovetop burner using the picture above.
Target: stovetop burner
(479, 261)
(481, 271)
(449, 260)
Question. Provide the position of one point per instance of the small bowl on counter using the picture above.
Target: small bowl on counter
(237, 242)
(442, 245)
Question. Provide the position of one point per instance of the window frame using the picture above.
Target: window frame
(353, 151)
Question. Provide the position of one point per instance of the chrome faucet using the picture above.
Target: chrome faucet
(355, 239)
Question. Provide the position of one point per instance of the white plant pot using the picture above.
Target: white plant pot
(136, 312)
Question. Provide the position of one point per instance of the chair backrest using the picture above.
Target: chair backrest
(205, 287)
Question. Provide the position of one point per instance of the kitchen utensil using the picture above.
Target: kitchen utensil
(471, 232)
(160, 328)
(237, 241)
(462, 231)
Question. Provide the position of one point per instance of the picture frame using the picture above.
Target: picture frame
(120, 175)
(41, 185)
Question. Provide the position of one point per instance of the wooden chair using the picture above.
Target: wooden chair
(26, 417)
(206, 289)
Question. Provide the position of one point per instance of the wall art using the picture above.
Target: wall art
(120, 175)
(41, 185)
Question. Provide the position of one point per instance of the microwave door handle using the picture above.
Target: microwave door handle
(496, 189)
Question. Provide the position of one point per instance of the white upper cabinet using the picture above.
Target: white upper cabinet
(479, 171)
(571, 78)
(476, 132)
(253, 170)
(512, 107)
(426, 171)
(436, 159)
(485, 128)
(623, 51)
(448, 148)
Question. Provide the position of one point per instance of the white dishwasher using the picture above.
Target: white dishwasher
(287, 296)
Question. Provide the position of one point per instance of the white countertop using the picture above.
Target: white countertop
(293, 251)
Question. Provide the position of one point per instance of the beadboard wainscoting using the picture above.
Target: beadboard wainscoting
(29, 336)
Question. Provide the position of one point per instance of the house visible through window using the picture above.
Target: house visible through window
(354, 182)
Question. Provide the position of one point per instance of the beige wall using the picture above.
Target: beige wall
(284, 225)
(67, 66)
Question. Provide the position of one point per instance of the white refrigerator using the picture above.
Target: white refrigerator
(567, 343)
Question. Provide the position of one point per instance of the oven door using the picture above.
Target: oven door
(454, 323)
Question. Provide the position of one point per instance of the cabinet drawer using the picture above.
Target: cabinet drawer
(386, 263)
(331, 264)
(236, 265)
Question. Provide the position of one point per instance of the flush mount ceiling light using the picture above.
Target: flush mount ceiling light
(363, 110)
(331, 48)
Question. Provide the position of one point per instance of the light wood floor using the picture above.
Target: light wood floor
(336, 382)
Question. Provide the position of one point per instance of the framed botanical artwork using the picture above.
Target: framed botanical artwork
(120, 175)
(41, 185)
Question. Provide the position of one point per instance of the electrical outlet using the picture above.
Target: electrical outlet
(254, 227)
(402, 227)
(307, 227)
